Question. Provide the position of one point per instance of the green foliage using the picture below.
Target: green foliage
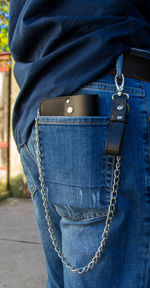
(4, 9)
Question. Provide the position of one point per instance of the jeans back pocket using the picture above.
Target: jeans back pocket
(77, 172)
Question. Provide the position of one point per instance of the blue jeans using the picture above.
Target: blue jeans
(78, 179)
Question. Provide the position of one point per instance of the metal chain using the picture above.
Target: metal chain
(108, 222)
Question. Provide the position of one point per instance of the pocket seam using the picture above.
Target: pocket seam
(78, 186)
(136, 91)
(29, 179)
(28, 151)
(65, 122)
(83, 219)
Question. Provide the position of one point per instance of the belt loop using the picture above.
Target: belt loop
(119, 66)
(119, 78)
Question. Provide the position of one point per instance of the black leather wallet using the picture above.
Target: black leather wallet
(72, 105)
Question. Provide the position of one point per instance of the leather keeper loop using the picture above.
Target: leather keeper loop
(117, 125)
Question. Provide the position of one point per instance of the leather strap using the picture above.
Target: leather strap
(117, 125)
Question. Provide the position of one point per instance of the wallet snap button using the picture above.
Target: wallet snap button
(70, 110)
(68, 101)
(120, 107)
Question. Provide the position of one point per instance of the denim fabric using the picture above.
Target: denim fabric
(78, 178)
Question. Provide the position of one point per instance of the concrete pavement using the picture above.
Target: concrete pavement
(22, 262)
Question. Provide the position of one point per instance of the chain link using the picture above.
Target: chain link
(108, 222)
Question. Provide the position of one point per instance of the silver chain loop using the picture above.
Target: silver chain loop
(119, 87)
(108, 222)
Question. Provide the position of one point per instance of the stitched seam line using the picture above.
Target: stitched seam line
(28, 176)
(91, 218)
(78, 186)
(84, 123)
(145, 100)
(26, 147)
(82, 219)
(113, 90)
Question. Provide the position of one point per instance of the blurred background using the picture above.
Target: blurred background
(20, 244)
(12, 180)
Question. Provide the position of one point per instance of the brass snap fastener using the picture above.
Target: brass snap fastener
(120, 107)
(68, 101)
(70, 110)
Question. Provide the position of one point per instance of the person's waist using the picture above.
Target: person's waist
(135, 66)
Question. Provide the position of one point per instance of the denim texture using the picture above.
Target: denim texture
(78, 177)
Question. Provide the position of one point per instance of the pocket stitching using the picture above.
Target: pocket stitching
(102, 214)
(136, 91)
(27, 149)
(29, 179)
(67, 122)
(78, 186)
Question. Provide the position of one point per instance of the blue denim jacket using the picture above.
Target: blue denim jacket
(58, 46)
